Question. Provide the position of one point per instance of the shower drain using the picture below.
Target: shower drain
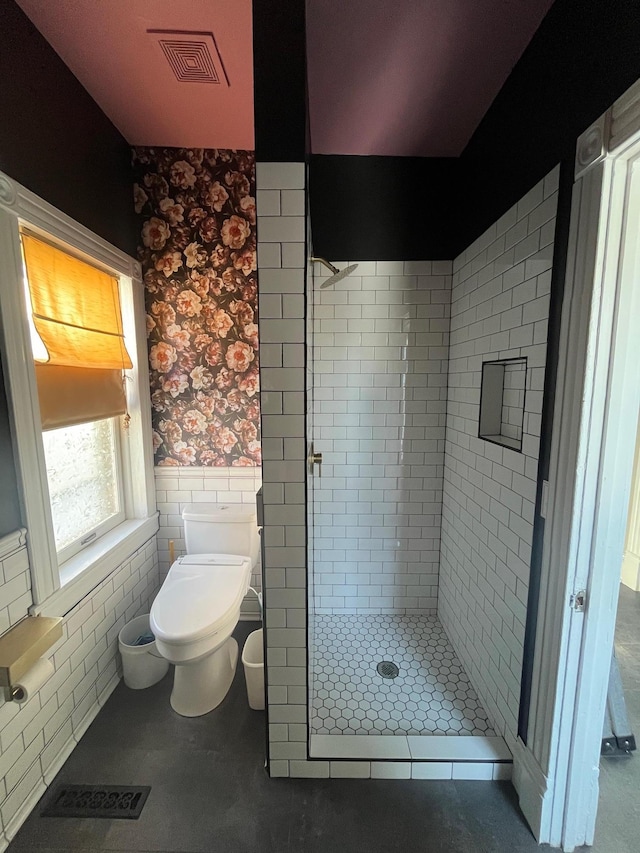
(387, 669)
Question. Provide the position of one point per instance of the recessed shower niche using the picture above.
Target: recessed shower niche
(502, 395)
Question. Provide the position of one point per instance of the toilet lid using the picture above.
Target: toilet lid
(197, 595)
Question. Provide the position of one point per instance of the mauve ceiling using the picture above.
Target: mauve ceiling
(106, 45)
(386, 77)
(409, 77)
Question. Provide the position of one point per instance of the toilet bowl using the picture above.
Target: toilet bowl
(192, 618)
(198, 606)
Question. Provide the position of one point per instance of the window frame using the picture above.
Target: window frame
(58, 587)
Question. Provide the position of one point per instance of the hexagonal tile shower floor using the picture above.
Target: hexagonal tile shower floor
(431, 695)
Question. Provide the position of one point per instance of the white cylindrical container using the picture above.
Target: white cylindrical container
(211, 528)
(142, 666)
(253, 662)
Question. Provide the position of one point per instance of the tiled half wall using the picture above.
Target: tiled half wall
(379, 374)
(37, 736)
(499, 310)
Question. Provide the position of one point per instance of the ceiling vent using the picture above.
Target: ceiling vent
(193, 56)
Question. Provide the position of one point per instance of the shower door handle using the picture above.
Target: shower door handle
(314, 458)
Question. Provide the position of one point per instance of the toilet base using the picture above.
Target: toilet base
(201, 686)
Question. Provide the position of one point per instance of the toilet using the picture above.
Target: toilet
(198, 606)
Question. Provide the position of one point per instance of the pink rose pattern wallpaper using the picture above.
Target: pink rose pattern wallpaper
(198, 254)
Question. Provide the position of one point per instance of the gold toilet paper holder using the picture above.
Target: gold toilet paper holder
(22, 646)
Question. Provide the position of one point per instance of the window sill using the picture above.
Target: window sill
(83, 572)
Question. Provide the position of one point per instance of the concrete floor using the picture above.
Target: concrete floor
(210, 793)
(618, 822)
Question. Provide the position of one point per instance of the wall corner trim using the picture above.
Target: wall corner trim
(592, 145)
(25, 809)
(21, 202)
(619, 125)
(12, 542)
(8, 191)
(625, 117)
(532, 787)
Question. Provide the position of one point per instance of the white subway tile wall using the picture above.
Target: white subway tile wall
(506, 272)
(379, 377)
(178, 486)
(499, 310)
(282, 332)
(281, 255)
(37, 737)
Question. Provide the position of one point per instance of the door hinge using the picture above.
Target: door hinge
(578, 601)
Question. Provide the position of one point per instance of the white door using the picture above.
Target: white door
(593, 442)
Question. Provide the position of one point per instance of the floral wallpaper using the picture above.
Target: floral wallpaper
(198, 253)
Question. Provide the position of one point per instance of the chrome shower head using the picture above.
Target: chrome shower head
(338, 275)
(325, 263)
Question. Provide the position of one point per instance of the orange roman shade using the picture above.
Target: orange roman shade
(76, 313)
(77, 395)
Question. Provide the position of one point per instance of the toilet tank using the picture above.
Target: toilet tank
(218, 528)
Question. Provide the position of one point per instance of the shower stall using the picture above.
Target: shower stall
(380, 662)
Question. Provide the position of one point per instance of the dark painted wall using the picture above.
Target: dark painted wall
(55, 140)
(582, 58)
(279, 80)
(382, 208)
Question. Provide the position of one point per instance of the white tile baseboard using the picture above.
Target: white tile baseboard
(432, 770)
(390, 770)
(350, 770)
(480, 772)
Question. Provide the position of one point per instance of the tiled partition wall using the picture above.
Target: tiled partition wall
(281, 253)
(281, 270)
(178, 486)
(379, 374)
(499, 309)
(37, 736)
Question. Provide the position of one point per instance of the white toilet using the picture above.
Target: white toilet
(198, 606)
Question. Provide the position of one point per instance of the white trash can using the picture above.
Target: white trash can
(253, 662)
(142, 665)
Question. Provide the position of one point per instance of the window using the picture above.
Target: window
(84, 474)
(80, 356)
(80, 404)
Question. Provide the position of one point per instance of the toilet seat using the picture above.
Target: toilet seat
(198, 595)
